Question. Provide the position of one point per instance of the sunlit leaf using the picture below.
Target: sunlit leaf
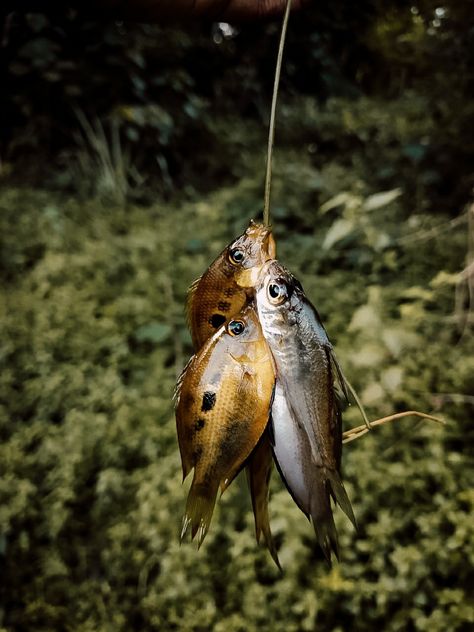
(378, 200)
(338, 200)
(339, 230)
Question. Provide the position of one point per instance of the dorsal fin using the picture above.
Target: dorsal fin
(189, 307)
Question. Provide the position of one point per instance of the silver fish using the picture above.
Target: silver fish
(306, 416)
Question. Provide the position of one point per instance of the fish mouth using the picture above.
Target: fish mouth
(263, 237)
(264, 244)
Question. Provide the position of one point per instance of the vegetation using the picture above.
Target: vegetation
(130, 156)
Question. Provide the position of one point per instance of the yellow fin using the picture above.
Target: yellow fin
(179, 382)
(259, 469)
(199, 510)
(189, 308)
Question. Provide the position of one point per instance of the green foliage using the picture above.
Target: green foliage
(91, 496)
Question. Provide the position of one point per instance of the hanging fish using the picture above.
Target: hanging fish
(223, 399)
(305, 413)
(218, 295)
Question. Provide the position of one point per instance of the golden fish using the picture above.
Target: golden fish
(218, 295)
(223, 402)
(306, 418)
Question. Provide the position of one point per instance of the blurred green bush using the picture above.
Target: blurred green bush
(93, 335)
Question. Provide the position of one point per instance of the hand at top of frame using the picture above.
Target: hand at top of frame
(225, 10)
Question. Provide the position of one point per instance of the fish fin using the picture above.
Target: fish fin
(199, 509)
(189, 308)
(225, 482)
(339, 494)
(259, 469)
(186, 468)
(179, 382)
(187, 462)
(270, 431)
(337, 372)
(322, 518)
(337, 432)
(346, 387)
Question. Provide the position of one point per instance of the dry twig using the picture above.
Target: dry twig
(355, 433)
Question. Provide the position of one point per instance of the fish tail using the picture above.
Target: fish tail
(258, 471)
(199, 510)
(323, 520)
(339, 494)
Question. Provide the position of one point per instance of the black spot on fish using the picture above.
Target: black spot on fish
(199, 425)
(216, 320)
(229, 292)
(208, 401)
(224, 306)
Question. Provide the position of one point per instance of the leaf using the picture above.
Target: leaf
(445, 278)
(153, 332)
(365, 318)
(340, 229)
(340, 199)
(378, 200)
(418, 293)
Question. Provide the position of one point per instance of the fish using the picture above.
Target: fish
(214, 298)
(306, 417)
(223, 401)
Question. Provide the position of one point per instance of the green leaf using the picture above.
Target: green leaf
(340, 229)
(340, 199)
(378, 200)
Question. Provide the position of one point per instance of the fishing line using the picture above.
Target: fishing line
(271, 130)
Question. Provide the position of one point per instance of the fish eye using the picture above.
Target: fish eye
(276, 293)
(236, 255)
(235, 327)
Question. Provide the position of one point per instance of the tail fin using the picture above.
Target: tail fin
(259, 469)
(199, 509)
(330, 484)
(339, 494)
(322, 518)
